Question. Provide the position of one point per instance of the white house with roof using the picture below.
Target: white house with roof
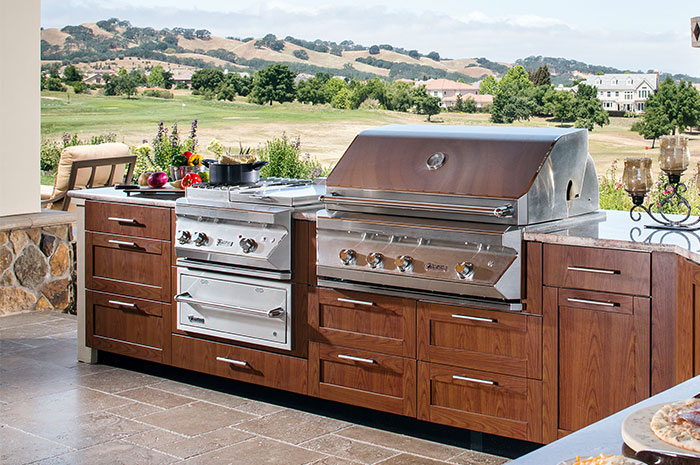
(448, 91)
(624, 92)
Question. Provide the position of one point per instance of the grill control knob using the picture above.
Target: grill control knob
(465, 270)
(348, 256)
(185, 237)
(248, 245)
(375, 260)
(201, 239)
(404, 263)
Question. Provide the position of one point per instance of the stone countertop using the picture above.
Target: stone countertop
(616, 230)
(110, 194)
(604, 436)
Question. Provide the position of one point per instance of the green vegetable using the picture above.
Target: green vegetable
(179, 160)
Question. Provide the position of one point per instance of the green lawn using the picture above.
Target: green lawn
(325, 132)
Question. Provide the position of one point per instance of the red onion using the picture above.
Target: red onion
(157, 179)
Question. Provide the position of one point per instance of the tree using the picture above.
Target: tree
(434, 56)
(374, 50)
(202, 34)
(79, 87)
(688, 107)
(301, 54)
(55, 84)
(54, 70)
(156, 78)
(207, 79)
(589, 110)
(126, 84)
(654, 123)
(541, 77)
(414, 54)
(71, 74)
(465, 105)
(424, 103)
(562, 104)
(242, 85)
(488, 85)
(510, 102)
(273, 84)
(311, 91)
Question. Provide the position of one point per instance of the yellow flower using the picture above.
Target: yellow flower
(195, 160)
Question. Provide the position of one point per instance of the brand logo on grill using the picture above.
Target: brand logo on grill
(224, 243)
(435, 267)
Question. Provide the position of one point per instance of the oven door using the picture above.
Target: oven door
(235, 308)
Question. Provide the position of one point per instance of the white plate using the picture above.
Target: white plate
(638, 435)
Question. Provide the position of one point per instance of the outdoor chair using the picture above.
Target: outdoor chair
(87, 166)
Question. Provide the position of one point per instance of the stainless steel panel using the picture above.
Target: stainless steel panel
(235, 308)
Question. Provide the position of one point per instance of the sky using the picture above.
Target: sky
(640, 35)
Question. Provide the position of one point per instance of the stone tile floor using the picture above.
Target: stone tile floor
(55, 410)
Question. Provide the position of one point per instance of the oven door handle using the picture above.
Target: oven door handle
(186, 298)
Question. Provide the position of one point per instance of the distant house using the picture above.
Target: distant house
(624, 92)
(96, 76)
(182, 76)
(448, 91)
(302, 77)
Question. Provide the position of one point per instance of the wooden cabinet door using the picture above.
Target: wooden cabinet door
(604, 355)
(492, 403)
(358, 377)
(488, 340)
(127, 326)
(364, 321)
(128, 265)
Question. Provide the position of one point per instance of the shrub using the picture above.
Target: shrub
(79, 87)
(51, 149)
(301, 54)
(167, 144)
(158, 93)
(55, 84)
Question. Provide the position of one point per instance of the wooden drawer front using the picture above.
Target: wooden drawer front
(365, 321)
(125, 325)
(492, 403)
(606, 270)
(128, 265)
(604, 358)
(367, 379)
(128, 220)
(500, 342)
(242, 364)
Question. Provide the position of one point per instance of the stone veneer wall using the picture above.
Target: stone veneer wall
(37, 268)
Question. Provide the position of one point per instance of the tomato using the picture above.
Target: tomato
(187, 154)
(189, 179)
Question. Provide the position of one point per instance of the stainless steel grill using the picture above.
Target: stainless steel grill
(440, 211)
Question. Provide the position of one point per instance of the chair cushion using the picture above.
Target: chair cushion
(88, 152)
(46, 192)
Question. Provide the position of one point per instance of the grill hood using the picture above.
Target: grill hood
(508, 175)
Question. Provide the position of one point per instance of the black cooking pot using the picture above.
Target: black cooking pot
(233, 174)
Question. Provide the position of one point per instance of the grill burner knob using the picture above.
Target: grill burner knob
(348, 256)
(185, 237)
(201, 239)
(248, 245)
(404, 263)
(375, 260)
(465, 270)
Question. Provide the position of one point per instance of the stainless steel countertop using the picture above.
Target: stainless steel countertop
(110, 194)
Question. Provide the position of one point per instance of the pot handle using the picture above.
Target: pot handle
(208, 162)
(258, 164)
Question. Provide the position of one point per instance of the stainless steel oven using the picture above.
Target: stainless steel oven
(235, 307)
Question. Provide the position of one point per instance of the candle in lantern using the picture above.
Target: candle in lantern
(674, 155)
(636, 176)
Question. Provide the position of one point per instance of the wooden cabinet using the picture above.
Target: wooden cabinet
(494, 341)
(364, 321)
(360, 377)
(240, 363)
(128, 279)
(481, 401)
(596, 334)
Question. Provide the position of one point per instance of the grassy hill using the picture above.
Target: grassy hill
(115, 44)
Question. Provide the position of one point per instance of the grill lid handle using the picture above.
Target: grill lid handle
(502, 211)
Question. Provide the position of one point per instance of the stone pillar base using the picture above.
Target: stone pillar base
(37, 262)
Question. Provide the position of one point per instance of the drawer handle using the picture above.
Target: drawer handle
(187, 298)
(592, 270)
(593, 302)
(357, 302)
(238, 363)
(475, 380)
(356, 359)
(475, 318)
(122, 304)
(122, 220)
(124, 243)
